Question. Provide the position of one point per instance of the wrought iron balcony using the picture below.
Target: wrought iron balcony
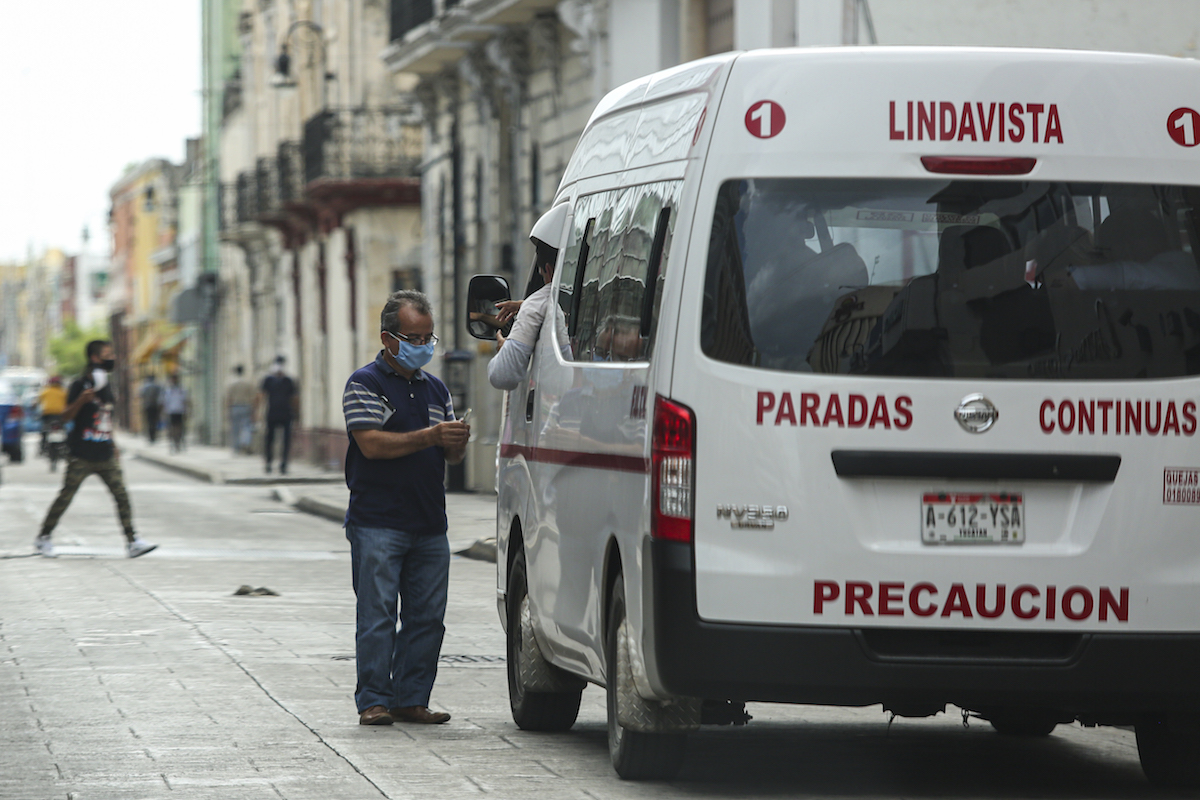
(266, 189)
(247, 197)
(353, 144)
(290, 172)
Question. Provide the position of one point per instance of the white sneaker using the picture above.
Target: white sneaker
(45, 547)
(139, 547)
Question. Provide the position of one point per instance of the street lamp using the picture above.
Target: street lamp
(283, 62)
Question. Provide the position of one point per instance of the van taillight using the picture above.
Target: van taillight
(671, 454)
(979, 165)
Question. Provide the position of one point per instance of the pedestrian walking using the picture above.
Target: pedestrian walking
(91, 449)
(282, 404)
(151, 397)
(402, 431)
(176, 405)
(239, 406)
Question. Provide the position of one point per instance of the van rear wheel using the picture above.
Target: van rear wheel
(532, 680)
(635, 755)
(1169, 748)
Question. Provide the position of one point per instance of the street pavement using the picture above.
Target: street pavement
(150, 678)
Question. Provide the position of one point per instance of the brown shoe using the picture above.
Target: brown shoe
(375, 715)
(420, 715)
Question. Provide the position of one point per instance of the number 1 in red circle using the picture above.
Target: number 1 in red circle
(765, 119)
(1184, 127)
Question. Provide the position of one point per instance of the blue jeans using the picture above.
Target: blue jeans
(397, 668)
(240, 431)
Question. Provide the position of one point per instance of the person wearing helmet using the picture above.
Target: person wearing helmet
(507, 369)
(53, 401)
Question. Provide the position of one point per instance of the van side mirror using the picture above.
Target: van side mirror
(483, 293)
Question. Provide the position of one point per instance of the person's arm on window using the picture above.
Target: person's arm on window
(507, 369)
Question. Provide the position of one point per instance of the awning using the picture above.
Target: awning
(177, 339)
(145, 348)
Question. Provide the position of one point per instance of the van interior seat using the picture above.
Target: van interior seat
(1132, 234)
(964, 247)
(790, 307)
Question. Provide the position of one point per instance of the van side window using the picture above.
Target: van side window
(614, 270)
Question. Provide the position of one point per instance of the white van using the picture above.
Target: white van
(879, 386)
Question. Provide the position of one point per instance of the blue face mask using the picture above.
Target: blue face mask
(411, 356)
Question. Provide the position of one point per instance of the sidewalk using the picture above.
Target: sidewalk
(306, 487)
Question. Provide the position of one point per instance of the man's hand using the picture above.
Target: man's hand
(451, 435)
(85, 397)
(507, 310)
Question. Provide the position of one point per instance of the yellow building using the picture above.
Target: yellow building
(144, 270)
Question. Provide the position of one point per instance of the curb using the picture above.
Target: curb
(481, 550)
(310, 505)
(207, 475)
(215, 476)
(283, 481)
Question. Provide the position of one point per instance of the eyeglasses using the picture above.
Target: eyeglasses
(419, 341)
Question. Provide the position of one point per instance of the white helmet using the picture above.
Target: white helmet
(551, 228)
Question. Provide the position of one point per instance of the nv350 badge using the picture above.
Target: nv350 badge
(752, 516)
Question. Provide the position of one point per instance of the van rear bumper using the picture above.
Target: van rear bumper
(1101, 676)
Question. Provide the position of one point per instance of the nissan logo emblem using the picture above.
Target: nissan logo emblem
(976, 414)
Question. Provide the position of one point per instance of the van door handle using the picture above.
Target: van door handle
(529, 403)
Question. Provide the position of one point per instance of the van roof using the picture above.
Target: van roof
(695, 75)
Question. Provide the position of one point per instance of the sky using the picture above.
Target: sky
(86, 88)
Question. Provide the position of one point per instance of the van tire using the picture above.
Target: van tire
(635, 755)
(1022, 722)
(1169, 749)
(534, 710)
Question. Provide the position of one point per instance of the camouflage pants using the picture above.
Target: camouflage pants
(77, 470)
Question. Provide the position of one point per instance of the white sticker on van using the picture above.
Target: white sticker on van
(1181, 486)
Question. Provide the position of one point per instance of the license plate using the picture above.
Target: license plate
(56, 436)
(972, 518)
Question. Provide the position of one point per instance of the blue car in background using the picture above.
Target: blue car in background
(12, 417)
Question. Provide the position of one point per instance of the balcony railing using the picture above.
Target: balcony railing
(247, 197)
(266, 190)
(290, 171)
(361, 143)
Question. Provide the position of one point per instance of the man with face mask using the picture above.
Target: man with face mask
(91, 450)
(402, 432)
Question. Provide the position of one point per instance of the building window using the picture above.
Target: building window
(407, 279)
(408, 14)
(719, 27)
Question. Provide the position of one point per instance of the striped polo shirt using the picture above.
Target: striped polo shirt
(406, 493)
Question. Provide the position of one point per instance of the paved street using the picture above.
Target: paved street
(149, 678)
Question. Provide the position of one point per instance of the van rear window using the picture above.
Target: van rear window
(960, 278)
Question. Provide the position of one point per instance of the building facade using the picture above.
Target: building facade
(318, 155)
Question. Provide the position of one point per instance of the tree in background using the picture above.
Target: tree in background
(67, 347)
